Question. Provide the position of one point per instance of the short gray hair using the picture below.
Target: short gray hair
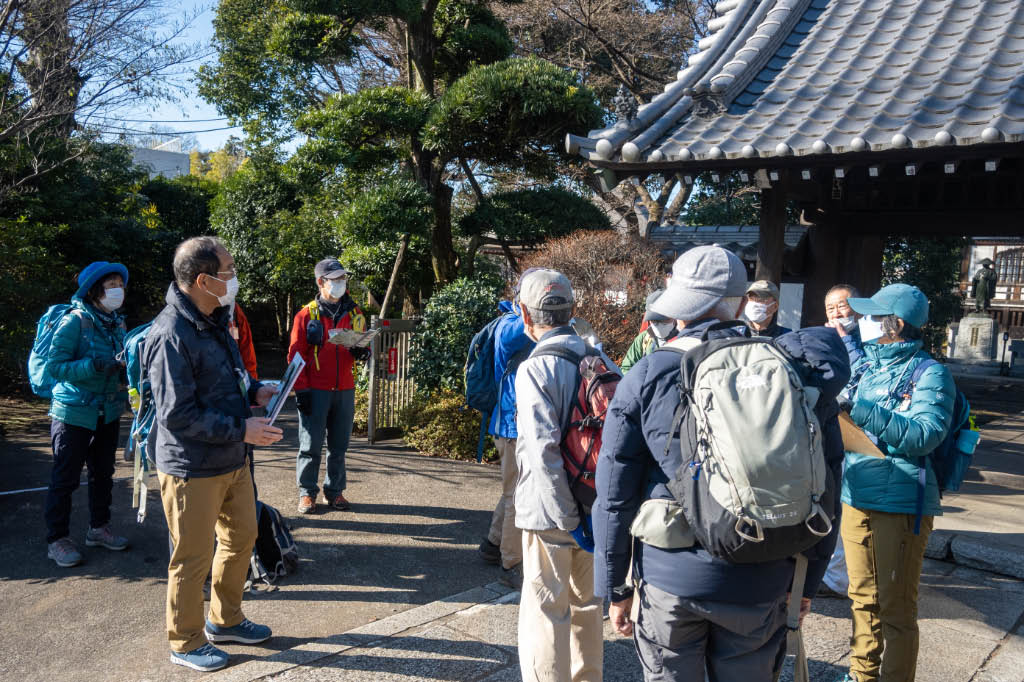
(196, 256)
(550, 318)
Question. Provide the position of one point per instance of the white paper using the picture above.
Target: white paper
(352, 339)
(291, 374)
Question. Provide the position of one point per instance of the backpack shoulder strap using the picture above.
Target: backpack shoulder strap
(314, 310)
(559, 352)
(920, 370)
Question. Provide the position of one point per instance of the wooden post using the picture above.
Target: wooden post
(824, 246)
(399, 260)
(771, 243)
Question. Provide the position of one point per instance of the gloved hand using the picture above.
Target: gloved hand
(304, 401)
(106, 366)
(359, 353)
(584, 534)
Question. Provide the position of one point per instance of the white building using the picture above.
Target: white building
(166, 159)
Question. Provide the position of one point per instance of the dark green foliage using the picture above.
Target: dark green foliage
(532, 215)
(932, 264)
(468, 35)
(450, 319)
(514, 113)
(440, 425)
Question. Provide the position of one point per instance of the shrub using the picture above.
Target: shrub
(360, 422)
(450, 318)
(440, 425)
(602, 266)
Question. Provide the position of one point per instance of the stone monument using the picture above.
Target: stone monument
(976, 338)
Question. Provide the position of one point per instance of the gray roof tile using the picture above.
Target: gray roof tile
(855, 74)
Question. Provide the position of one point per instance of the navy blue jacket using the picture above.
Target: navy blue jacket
(633, 467)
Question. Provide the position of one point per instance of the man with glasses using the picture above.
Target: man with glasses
(203, 430)
(325, 391)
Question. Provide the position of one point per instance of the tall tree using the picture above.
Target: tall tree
(68, 66)
(454, 97)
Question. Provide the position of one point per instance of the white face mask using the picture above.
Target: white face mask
(847, 323)
(232, 290)
(112, 299)
(338, 288)
(756, 312)
(662, 330)
(869, 330)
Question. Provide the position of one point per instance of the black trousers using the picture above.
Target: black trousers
(73, 448)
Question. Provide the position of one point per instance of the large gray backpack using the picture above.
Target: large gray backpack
(753, 483)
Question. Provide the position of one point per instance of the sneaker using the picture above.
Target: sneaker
(205, 659)
(102, 537)
(848, 677)
(490, 552)
(64, 552)
(826, 592)
(307, 505)
(512, 577)
(246, 632)
(339, 502)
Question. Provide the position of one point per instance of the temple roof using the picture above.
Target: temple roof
(827, 78)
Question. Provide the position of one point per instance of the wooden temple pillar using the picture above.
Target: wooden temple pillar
(835, 257)
(771, 244)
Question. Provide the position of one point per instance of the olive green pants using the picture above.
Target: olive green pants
(883, 559)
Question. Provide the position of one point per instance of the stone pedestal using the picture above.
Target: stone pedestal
(976, 338)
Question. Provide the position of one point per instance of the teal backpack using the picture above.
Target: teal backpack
(41, 381)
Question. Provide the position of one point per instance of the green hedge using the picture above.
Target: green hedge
(440, 425)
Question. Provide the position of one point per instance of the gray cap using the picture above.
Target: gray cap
(700, 278)
(545, 289)
(650, 315)
(329, 268)
(763, 287)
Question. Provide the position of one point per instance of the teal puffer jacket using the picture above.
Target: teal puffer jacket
(907, 430)
(82, 393)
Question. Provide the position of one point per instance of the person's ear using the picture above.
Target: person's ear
(899, 327)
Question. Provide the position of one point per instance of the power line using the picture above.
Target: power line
(146, 120)
(163, 133)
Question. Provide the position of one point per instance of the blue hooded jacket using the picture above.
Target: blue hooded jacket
(633, 467)
(509, 338)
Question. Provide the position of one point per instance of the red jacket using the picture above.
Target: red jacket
(240, 326)
(335, 371)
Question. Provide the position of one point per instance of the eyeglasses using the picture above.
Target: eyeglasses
(232, 271)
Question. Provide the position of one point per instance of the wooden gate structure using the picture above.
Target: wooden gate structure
(391, 384)
(875, 117)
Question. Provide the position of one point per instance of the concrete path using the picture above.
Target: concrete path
(371, 599)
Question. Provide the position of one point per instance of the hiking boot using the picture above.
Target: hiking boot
(307, 505)
(246, 632)
(826, 592)
(64, 552)
(490, 552)
(339, 502)
(205, 659)
(512, 577)
(102, 537)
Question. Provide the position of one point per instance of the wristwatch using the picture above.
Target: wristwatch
(624, 591)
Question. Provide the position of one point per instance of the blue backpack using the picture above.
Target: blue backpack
(140, 396)
(40, 380)
(952, 457)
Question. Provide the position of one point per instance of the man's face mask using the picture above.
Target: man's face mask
(870, 330)
(756, 312)
(231, 290)
(847, 323)
(338, 287)
(663, 330)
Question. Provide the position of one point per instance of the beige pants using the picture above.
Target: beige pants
(195, 509)
(503, 531)
(884, 560)
(561, 635)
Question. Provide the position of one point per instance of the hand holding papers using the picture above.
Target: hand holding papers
(854, 438)
(352, 339)
(292, 373)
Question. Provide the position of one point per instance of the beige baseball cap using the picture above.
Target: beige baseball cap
(545, 289)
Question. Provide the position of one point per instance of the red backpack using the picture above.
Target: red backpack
(581, 437)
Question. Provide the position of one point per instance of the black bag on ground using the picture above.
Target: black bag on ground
(275, 554)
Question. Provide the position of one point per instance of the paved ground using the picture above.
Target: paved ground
(372, 598)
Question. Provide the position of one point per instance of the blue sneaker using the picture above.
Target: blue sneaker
(205, 659)
(246, 632)
(848, 677)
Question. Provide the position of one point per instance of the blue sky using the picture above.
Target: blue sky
(191, 112)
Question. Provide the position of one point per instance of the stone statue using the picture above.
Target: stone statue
(984, 284)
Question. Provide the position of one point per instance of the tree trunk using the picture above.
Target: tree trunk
(49, 70)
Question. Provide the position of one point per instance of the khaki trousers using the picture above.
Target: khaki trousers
(561, 635)
(883, 560)
(196, 508)
(503, 531)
